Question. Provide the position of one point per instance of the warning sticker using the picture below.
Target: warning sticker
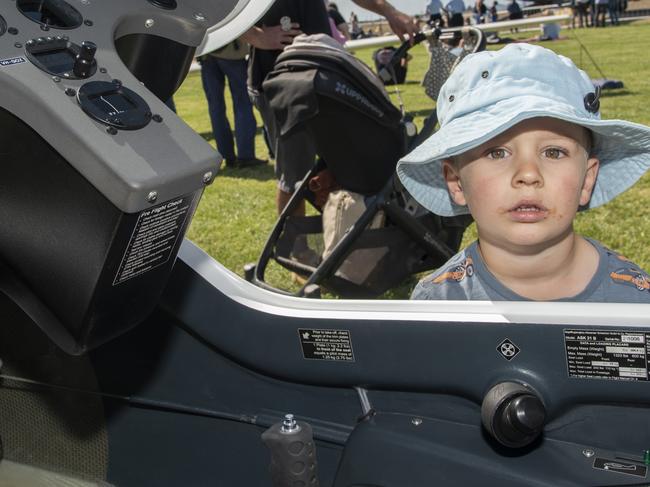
(620, 467)
(617, 355)
(326, 344)
(153, 239)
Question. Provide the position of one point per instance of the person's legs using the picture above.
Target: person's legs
(295, 156)
(612, 7)
(456, 20)
(245, 125)
(214, 84)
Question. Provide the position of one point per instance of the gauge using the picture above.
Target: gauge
(113, 104)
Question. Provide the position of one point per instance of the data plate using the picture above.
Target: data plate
(601, 354)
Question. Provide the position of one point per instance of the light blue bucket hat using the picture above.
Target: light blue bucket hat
(491, 91)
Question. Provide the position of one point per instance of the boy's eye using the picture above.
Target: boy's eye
(497, 153)
(554, 153)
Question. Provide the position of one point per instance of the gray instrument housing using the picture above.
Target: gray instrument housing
(167, 157)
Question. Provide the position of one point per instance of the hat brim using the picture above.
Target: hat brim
(622, 147)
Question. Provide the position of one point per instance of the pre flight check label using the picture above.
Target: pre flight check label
(603, 354)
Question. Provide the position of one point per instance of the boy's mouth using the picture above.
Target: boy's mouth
(528, 212)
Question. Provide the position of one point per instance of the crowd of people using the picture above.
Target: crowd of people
(588, 13)
(592, 13)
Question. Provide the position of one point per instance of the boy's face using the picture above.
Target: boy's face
(524, 187)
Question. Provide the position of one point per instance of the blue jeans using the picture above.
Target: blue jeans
(214, 72)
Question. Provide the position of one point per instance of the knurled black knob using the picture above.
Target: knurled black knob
(513, 414)
(83, 62)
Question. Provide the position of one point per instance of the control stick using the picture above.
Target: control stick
(293, 454)
(513, 414)
(83, 62)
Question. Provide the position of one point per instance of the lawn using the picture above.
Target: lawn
(238, 211)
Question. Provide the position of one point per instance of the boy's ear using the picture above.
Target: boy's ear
(593, 164)
(450, 172)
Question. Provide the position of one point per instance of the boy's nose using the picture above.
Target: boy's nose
(527, 173)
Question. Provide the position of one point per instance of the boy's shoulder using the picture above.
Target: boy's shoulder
(627, 282)
(455, 280)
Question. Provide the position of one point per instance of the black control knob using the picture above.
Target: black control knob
(513, 414)
(84, 61)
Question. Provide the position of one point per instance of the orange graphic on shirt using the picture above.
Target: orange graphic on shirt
(457, 273)
(633, 277)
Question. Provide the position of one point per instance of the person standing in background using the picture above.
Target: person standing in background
(480, 10)
(455, 9)
(434, 11)
(355, 29)
(601, 11)
(337, 20)
(494, 15)
(613, 8)
(230, 63)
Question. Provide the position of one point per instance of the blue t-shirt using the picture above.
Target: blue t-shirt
(466, 277)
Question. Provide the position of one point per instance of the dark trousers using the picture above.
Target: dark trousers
(214, 72)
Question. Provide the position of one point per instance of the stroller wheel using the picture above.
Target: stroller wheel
(249, 271)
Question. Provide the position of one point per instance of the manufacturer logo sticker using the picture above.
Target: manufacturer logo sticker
(508, 349)
(12, 61)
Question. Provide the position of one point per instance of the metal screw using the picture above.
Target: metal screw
(416, 421)
(89, 23)
(452, 98)
(207, 177)
(18, 45)
(199, 16)
(484, 74)
(70, 92)
(289, 424)
(56, 79)
(85, 2)
(13, 31)
(588, 453)
(149, 23)
(157, 118)
(103, 70)
(152, 196)
(117, 83)
(111, 130)
(45, 27)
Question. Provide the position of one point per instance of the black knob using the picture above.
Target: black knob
(83, 63)
(513, 414)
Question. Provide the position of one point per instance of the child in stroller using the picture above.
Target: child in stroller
(374, 235)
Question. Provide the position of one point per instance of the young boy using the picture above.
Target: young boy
(521, 147)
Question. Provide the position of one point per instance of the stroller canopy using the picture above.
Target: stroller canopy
(317, 86)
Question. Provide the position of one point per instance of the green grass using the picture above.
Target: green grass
(238, 211)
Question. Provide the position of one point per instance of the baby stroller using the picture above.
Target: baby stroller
(359, 136)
